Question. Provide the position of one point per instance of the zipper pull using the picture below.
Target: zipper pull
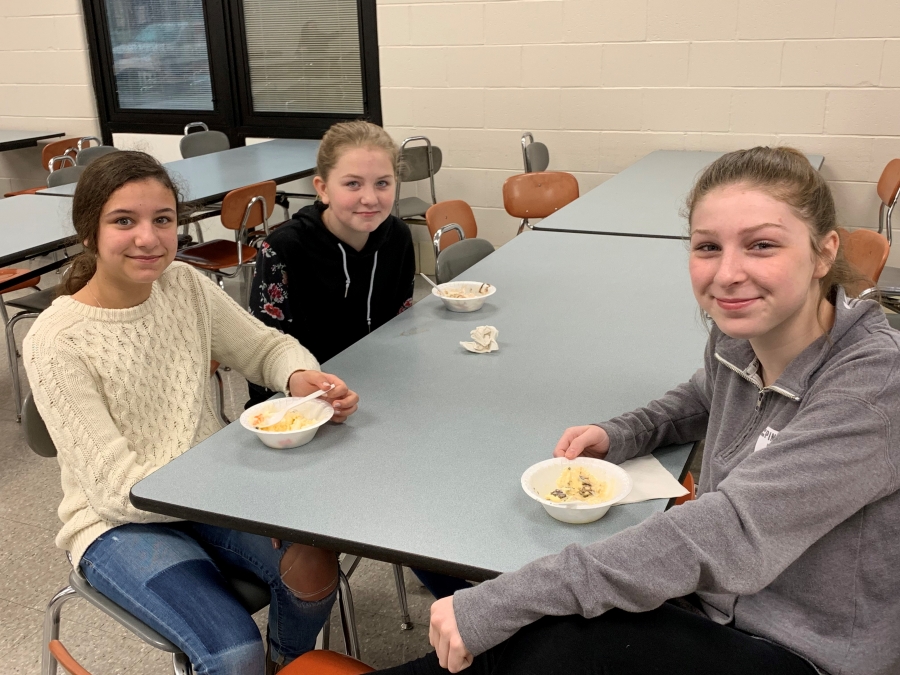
(759, 399)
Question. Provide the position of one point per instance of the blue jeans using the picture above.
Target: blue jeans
(168, 576)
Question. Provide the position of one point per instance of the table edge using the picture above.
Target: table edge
(28, 142)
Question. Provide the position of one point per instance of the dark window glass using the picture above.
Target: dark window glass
(160, 56)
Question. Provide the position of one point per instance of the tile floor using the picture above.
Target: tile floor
(32, 569)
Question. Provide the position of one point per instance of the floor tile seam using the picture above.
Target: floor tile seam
(22, 522)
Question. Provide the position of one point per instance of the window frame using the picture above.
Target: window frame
(230, 80)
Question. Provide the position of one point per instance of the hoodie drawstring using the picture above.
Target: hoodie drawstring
(346, 273)
(371, 284)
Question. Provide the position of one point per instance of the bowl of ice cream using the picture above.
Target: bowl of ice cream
(296, 428)
(579, 490)
(463, 296)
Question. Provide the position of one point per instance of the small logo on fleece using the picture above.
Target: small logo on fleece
(765, 438)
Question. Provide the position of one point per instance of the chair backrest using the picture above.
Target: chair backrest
(889, 183)
(202, 142)
(456, 259)
(88, 155)
(66, 146)
(867, 251)
(535, 156)
(537, 195)
(36, 435)
(451, 211)
(70, 174)
(234, 206)
(414, 162)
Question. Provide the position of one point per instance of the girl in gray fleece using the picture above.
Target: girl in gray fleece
(789, 559)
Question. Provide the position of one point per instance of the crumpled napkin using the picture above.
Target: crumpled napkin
(485, 340)
(651, 480)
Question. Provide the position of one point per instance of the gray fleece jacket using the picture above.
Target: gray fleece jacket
(796, 534)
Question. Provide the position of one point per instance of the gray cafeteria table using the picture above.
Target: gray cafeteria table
(208, 178)
(13, 139)
(33, 226)
(428, 471)
(643, 200)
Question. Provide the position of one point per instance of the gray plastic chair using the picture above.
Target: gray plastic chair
(535, 156)
(417, 163)
(31, 305)
(69, 174)
(88, 155)
(457, 258)
(252, 593)
(202, 142)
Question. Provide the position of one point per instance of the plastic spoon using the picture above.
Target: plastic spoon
(275, 417)
(440, 292)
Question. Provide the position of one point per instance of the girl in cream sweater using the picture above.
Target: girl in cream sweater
(119, 366)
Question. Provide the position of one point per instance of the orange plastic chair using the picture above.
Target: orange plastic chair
(868, 252)
(537, 195)
(65, 147)
(690, 486)
(322, 662)
(442, 215)
(888, 189)
(242, 210)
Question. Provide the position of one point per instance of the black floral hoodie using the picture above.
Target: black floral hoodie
(311, 285)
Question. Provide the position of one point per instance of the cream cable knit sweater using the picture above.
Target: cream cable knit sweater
(125, 391)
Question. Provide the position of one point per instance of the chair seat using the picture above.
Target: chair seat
(323, 662)
(412, 207)
(252, 593)
(29, 191)
(35, 302)
(890, 278)
(10, 273)
(214, 255)
(104, 604)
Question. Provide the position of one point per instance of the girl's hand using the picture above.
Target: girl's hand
(589, 440)
(444, 637)
(306, 382)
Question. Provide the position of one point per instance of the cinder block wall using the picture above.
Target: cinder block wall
(45, 81)
(604, 82)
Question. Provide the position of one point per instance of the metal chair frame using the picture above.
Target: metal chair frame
(436, 240)
(82, 142)
(884, 217)
(430, 171)
(65, 156)
(191, 125)
(51, 165)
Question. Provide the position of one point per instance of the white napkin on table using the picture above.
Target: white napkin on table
(485, 340)
(651, 480)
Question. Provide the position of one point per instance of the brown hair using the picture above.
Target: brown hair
(784, 174)
(356, 134)
(96, 185)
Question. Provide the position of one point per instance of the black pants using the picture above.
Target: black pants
(666, 641)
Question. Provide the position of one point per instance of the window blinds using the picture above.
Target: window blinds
(304, 56)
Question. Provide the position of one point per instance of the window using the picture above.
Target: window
(284, 68)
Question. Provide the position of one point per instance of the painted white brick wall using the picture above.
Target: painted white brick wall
(45, 81)
(604, 82)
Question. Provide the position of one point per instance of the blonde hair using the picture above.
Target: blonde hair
(784, 174)
(348, 135)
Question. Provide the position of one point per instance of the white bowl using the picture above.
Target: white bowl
(317, 410)
(463, 304)
(540, 479)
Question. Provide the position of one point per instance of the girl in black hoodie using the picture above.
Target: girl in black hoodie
(344, 266)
